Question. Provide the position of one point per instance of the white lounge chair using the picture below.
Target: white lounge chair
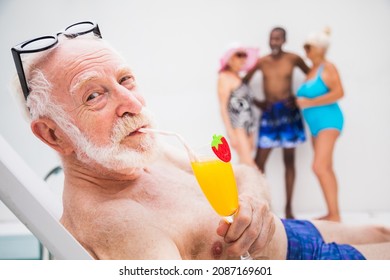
(36, 206)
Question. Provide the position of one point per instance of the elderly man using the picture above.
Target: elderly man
(126, 196)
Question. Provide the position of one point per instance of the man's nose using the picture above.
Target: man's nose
(127, 102)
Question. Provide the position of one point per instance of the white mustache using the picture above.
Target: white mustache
(128, 124)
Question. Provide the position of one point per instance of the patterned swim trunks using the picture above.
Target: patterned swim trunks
(281, 125)
(306, 243)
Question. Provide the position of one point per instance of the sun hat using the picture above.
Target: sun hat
(252, 56)
(320, 39)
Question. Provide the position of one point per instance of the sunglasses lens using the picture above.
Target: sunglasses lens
(39, 43)
(241, 55)
(79, 28)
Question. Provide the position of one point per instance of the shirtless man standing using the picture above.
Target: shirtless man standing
(281, 122)
(127, 196)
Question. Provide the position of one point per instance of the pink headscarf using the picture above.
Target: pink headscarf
(252, 56)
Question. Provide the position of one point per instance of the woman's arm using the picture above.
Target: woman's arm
(332, 80)
(224, 91)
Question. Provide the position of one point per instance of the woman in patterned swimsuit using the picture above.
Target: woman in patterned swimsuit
(235, 99)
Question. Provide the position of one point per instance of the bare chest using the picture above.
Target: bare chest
(174, 203)
(277, 70)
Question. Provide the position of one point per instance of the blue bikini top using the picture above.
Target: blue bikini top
(314, 87)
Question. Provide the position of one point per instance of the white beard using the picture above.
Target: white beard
(115, 156)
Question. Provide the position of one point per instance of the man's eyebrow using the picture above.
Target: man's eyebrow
(124, 70)
(82, 80)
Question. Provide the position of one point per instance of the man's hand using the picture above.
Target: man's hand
(252, 229)
(262, 105)
(291, 102)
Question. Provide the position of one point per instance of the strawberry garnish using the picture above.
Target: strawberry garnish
(220, 147)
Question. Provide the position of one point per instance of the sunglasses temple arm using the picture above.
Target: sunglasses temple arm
(20, 71)
(96, 31)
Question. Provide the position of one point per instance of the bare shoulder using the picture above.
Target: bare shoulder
(330, 67)
(330, 72)
(264, 59)
(263, 62)
(122, 229)
(224, 76)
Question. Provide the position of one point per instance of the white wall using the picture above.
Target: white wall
(174, 47)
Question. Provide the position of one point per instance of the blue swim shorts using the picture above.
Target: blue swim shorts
(281, 125)
(306, 243)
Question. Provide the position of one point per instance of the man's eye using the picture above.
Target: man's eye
(126, 79)
(92, 96)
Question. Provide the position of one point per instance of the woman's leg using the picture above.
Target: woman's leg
(252, 142)
(244, 147)
(323, 167)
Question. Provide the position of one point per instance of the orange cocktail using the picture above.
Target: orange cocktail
(216, 179)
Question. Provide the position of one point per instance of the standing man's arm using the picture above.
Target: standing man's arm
(250, 73)
(302, 65)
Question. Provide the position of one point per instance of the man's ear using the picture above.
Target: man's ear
(48, 131)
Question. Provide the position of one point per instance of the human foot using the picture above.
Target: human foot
(333, 218)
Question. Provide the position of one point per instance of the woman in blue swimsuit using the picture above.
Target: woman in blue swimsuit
(317, 97)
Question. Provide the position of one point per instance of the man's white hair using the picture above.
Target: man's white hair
(40, 102)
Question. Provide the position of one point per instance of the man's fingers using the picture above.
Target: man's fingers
(242, 220)
(223, 228)
(255, 236)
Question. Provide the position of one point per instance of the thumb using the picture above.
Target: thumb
(223, 227)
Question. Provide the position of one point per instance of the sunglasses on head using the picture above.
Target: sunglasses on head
(241, 54)
(46, 42)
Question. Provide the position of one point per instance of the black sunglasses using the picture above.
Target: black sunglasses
(241, 54)
(46, 42)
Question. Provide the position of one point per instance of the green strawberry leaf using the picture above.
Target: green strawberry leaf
(216, 140)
